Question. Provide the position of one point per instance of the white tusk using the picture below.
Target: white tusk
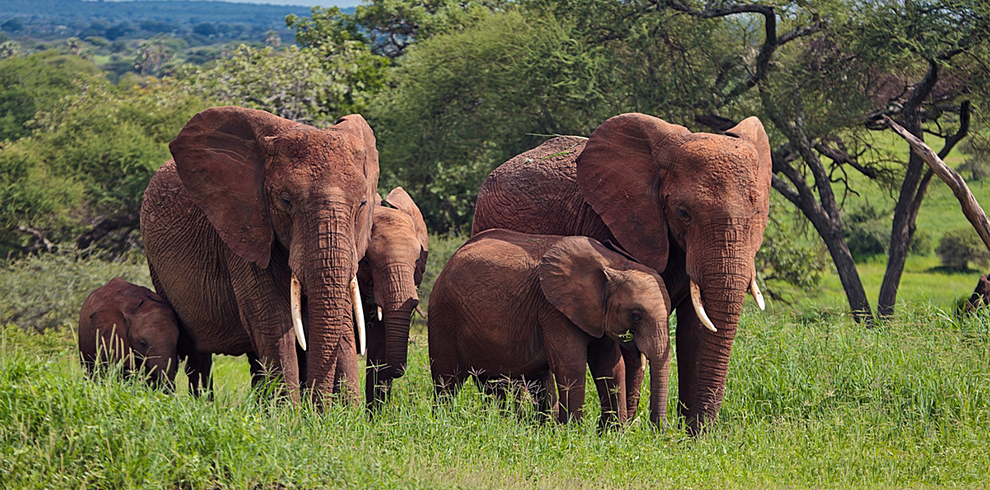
(379, 313)
(358, 314)
(699, 309)
(295, 305)
(757, 295)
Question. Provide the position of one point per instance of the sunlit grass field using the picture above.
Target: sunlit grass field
(813, 400)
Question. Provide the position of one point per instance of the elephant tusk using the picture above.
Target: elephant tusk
(757, 295)
(358, 314)
(295, 305)
(420, 311)
(379, 313)
(699, 309)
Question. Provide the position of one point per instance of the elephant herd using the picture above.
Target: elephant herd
(268, 237)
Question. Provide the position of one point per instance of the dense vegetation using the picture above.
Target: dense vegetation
(92, 92)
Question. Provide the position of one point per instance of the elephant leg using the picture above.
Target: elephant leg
(608, 371)
(263, 304)
(198, 366)
(541, 389)
(257, 370)
(688, 339)
(376, 388)
(635, 369)
(448, 377)
(570, 388)
(345, 377)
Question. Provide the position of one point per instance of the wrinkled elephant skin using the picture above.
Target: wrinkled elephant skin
(520, 306)
(249, 201)
(690, 205)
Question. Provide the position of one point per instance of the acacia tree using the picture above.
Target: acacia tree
(818, 95)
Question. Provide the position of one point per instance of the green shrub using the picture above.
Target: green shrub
(959, 247)
(867, 232)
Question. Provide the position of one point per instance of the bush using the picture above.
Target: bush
(959, 247)
(867, 232)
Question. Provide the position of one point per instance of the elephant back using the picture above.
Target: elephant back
(537, 192)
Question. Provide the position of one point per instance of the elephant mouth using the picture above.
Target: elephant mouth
(295, 307)
(699, 306)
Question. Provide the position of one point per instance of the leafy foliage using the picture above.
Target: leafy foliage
(959, 247)
(784, 259)
(301, 84)
(91, 157)
(34, 83)
(465, 102)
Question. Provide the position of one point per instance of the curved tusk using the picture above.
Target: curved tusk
(757, 295)
(420, 311)
(295, 305)
(699, 309)
(379, 313)
(358, 314)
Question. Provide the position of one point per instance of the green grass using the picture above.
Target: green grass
(813, 400)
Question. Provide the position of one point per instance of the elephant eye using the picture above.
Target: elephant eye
(144, 343)
(684, 215)
(635, 317)
(286, 202)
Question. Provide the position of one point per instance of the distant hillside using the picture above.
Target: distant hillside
(174, 11)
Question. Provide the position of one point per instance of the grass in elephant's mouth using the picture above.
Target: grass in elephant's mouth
(811, 401)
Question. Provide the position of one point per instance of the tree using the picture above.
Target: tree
(464, 102)
(297, 83)
(36, 82)
(83, 171)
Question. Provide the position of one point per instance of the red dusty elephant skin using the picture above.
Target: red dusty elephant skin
(389, 273)
(251, 207)
(690, 205)
(124, 322)
(515, 305)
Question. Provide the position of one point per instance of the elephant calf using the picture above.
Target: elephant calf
(124, 322)
(515, 305)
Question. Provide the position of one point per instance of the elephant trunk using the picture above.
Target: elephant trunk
(659, 384)
(399, 300)
(723, 296)
(655, 344)
(723, 271)
(327, 280)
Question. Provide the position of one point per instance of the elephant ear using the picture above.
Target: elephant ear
(619, 174)
(573, 276)
(400, 200)
(751, 130)
(220, 158)
(367, 159)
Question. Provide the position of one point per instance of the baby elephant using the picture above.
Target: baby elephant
(527, 306)
(124, 322)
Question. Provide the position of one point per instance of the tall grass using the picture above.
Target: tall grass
(810, 402)
(813, 400)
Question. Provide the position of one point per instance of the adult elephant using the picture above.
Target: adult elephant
(388, 275)
(691, 205)
(251, 206)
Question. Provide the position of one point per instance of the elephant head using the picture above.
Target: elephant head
(392, 268)
(654, 183)
(124, 322)
(286, 193)
(605, 294)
